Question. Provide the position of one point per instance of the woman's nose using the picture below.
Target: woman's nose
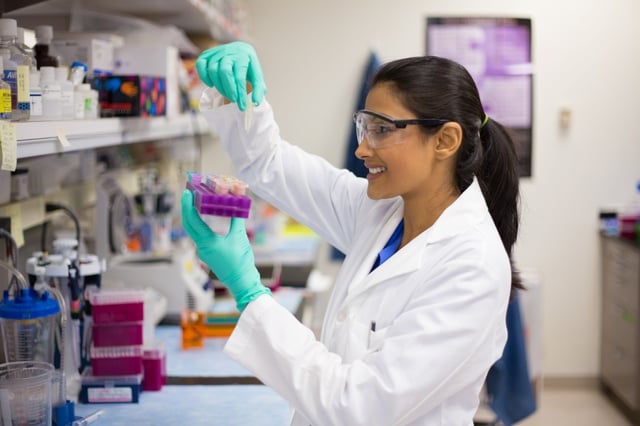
(363, 150)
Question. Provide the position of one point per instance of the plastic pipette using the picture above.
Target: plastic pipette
(88, 419)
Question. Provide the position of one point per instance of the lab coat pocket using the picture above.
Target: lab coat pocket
(376, 338)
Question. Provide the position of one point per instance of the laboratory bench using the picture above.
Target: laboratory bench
(209, 365)
(196, 405)
(204, 386)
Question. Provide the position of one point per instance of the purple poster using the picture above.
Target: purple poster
(497, 53)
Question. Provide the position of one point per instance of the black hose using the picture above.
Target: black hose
(14, 246)
(51, 207)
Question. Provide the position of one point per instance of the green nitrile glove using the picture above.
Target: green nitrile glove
(230, 256)
(228, 68)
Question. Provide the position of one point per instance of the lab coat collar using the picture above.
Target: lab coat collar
(466, 212)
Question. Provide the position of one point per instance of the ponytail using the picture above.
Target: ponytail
(499, 177)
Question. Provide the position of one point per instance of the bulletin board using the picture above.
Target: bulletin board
(497, 54)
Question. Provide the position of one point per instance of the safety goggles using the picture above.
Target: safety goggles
(380, 130)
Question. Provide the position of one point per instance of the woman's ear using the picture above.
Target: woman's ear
(448, 140)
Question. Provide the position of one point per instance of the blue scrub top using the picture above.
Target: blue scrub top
(391, 246)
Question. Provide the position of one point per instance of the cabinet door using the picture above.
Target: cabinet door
(621, 272)
(619, 351)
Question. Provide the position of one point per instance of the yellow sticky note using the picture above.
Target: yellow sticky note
(14, 211)
(8, 146)
(62, 138)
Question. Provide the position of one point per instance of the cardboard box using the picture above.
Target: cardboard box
(155, 62)
(131, 95)
(95, 52)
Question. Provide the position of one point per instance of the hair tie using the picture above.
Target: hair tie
(484, 121)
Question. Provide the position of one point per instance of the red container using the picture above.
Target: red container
(118, 334)
(116, 361)
(155, 371)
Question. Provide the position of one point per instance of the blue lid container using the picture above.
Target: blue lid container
(28, 304)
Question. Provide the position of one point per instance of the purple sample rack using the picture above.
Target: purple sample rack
(219, 195)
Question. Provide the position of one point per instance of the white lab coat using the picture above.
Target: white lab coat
(439, 303)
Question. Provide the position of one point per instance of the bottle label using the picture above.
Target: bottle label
(22, 88)
(36, 104)
(11, 76)
(5, 103)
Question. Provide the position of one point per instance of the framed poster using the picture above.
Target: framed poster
(497, 54)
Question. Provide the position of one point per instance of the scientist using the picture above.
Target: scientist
(417, 314)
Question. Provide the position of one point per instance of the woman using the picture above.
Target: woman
(417, 315)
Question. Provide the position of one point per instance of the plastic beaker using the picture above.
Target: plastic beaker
(25, 393)
(28, 325)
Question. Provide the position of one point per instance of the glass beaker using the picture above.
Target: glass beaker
(25, 393)
(28, 325)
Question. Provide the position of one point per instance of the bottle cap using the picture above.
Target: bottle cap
(47, 74)
(44, 34)
(78, 64)
(8, 27)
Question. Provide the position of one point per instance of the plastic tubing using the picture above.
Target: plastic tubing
(21, 279)
(60, 334)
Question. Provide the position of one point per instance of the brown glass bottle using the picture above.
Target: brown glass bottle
(44, 35)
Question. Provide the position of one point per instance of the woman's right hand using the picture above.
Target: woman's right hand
(230, 68)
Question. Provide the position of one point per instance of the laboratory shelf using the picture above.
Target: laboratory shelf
(51, 137)
(196, 405)
(222, 21)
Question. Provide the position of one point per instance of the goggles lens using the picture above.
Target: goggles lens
(379, 131)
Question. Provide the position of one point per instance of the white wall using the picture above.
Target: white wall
(586, 58)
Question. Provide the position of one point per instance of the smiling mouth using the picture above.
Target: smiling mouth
(377, 170)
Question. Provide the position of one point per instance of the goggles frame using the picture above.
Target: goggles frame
(362, 131)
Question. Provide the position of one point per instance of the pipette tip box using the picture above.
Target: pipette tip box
(116, 306)
(118, 334)
(216, 195)
(110, 389)
(116, 360)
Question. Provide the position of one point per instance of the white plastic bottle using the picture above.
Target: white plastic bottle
(21, 43)
(35, 94)
(16, 73)
(66, 91)
(94, 107)
(51, 94)
(82, 100)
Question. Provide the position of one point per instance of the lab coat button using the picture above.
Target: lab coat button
(342, 315)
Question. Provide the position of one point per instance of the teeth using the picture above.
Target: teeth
(377, 170)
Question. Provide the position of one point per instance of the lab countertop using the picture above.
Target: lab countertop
(196, 405)
(209, 365)
(203, 387)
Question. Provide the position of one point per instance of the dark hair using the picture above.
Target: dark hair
(434, 87)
